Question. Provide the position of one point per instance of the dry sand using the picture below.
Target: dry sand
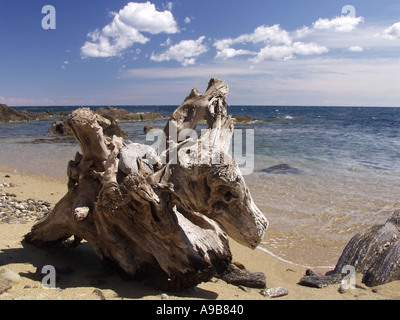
(89, 281)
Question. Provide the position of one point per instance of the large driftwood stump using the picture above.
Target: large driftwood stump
(167, 214)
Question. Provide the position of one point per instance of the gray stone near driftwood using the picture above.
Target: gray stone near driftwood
(312, 280)
(134, 154)
(275, 292)
(243, 277)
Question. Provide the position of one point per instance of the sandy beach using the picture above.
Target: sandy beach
(89, 281)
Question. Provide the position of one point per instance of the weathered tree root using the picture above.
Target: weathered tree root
(167, 214)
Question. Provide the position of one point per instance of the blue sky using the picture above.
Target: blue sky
(340, 53)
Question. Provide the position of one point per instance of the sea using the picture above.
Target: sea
(341, 172)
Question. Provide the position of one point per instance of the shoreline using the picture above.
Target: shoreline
(89, 281)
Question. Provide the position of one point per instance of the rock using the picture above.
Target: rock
(239, 265)
(245, 289)
(60, 128)
(343, 288)
(13, 211)
(243, 119)
(114, 129)
(282, 169)
(311, 279)
(240, 277)
(120, 114)
(275, 292)
(8, 114)
(147, 128)
(99, 293)
(164, 296)
(9, 275)
(4, 285)
(130, 154)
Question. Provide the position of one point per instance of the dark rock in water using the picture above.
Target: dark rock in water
(240, 277)
(8, 114)
(114, 128)
(121, 114)
(147, 128)
(60, 128)
(282, 169)
(243, 119)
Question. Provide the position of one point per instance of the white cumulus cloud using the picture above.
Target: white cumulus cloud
(393, 32)
(185, 52)
(287, 52)
(340, 24)
(227, 53)
(126, 29)
(271, 35)
(278, 44)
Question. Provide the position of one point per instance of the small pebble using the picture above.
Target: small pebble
(275, 292)
(343, 288)
(245, 289)
(99, 293)
(164, 296)
(9, 275)
(4, 285)
(13, 211)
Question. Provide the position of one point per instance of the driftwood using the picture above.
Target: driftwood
(167, 214)
(375, 254)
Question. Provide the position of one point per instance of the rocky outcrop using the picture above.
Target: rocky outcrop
(8, 114)
(60, 127)
(120, 114)
(242, 119)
